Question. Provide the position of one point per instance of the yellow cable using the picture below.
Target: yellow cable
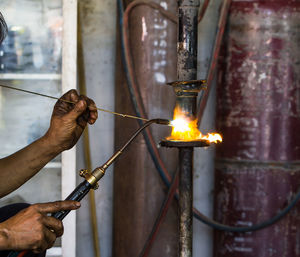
(86, 138)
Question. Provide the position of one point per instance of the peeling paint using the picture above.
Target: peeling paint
(258, 114)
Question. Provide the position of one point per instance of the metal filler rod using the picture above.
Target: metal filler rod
(71, 102)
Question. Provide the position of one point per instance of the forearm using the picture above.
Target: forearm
(19, 167)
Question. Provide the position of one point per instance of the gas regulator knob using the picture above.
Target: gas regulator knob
(83, 173)
(96, 186)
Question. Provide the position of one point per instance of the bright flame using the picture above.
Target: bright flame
(185, 129)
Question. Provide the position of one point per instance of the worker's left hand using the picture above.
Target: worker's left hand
(69, 120)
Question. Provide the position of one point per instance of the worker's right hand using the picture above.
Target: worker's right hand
(69, 120)
(33, 229)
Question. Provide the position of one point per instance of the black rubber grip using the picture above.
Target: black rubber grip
(80, 191)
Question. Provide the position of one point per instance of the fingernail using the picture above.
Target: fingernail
(78, 204)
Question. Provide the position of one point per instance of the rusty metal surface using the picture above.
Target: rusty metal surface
(248, 193)
(259, 107)
(258, 114)
(187, 54)
(186, 201)
(186, 86)
(187, 82)
(138, 189)
(179, 144)
(186, 100)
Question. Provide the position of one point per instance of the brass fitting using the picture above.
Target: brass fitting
(98, 173)
(89, 178)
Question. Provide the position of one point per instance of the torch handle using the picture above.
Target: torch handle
(79, 192)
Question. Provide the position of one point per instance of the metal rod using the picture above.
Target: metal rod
(71, 102)
(186, 201)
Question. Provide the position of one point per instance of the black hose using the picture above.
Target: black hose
(271, 221)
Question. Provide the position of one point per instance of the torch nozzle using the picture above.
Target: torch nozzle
(163, 122)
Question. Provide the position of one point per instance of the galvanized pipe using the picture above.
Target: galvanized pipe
(186, 201)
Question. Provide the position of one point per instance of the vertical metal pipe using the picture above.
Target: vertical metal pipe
(186, 101)
(187, 53)
(187, 39)
(186, 201)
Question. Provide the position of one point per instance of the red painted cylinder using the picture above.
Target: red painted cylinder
(258, 113)
(138, 189)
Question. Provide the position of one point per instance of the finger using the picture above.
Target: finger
(54, 225)
(90, 103)
(77, 110)
(47, 241)
(74, 96)
(85, 116)
(93, 115)
(88, 100)
(71, 95)
(91, 121)
(82, 120)
(92, 107)
(50, 238)
(93, 112)
(62, 107)
(57, 206)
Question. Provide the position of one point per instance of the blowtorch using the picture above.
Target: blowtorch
(92, 178)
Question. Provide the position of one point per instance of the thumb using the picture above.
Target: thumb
(78, 109)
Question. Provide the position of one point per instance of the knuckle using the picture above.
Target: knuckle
(37, 216)
(33, 207)
(72, 91)
(39, 228)
(57, 204)
(38, 239)
(60, 224)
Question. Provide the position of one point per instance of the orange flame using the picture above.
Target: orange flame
(185, 129)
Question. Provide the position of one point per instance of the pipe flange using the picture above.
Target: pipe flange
(188, 87)
(180, 143)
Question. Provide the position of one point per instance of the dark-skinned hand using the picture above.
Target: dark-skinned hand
(69, 120)
(33, 229)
